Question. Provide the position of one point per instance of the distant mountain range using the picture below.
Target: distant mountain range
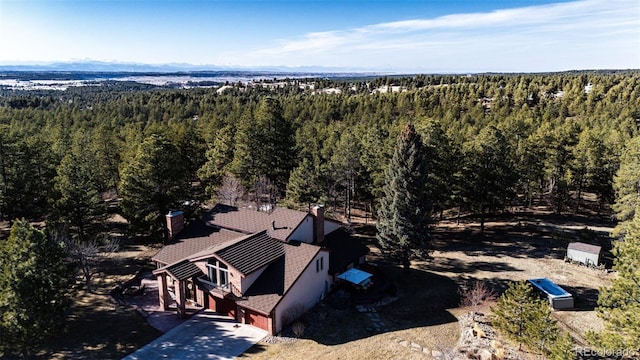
(103, 66)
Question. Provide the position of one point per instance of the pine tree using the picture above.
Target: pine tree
(626, 184)
(541, 329)
(403, 214)
(345, 167)
(488, 174)
(35, 291)
(440, 157)
(80, 204)
(153, 182)
(264, 145)
(303, 184)
(218, 157)
(619, 305)
(562, 348)
(513, 309)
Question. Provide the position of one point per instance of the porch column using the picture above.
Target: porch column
(181, 298)
(163, 293)
(200, 295)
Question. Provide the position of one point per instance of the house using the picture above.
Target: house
(261, 268)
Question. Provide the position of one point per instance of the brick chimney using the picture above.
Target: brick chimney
(175, 223)
(318, 223)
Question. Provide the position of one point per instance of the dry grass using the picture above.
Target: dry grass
(97, 328)
(522, 247)
(381, 346)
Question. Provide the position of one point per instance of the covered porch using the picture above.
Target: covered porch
(178, 288)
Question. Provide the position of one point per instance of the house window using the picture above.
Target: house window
(218, 273)
(319, 264)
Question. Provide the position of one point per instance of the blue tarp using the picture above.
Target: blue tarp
(356, 276)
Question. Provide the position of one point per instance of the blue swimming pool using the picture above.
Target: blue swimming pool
(549, 287)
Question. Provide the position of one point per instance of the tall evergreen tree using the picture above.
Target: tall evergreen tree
(79, 203)
(488, 174)
(264, 145)
(626, 184)
(153, 182)
(35, 286)
(440, 157)
(619, 305)
(218, 157)
(403, 214)
(303, 184)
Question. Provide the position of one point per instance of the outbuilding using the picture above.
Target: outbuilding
(586, 254)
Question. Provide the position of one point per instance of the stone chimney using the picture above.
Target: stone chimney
(175, 223)
(318, 223)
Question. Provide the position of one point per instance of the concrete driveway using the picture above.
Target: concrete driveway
(206, 335)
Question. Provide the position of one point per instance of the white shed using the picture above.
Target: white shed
(584, 253)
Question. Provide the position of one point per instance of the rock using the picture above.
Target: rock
(426, 350)
(436, 353)
(485, 354)
(404, 343)
(415, 346)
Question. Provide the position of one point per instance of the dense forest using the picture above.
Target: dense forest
(492, 141)
(473, 144)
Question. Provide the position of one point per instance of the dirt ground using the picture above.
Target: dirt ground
(421, 322)
(516, 247)
(98, 328)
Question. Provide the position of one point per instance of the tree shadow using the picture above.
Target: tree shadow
(423, 299)
(584, 299)
(513, 240)
(460, 267)
(201, 336)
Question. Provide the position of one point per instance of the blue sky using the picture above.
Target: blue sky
(376, 35)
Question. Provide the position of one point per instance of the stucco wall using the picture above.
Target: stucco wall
(249, 279)
(305, 292)
(304, 231)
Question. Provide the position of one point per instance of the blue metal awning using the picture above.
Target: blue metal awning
(356, 276)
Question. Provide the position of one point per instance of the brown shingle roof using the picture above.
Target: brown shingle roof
(194, 238)
(181, 270)
(280, 223)
(252, 253)
(265, 293)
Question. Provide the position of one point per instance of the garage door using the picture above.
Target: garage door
(226, 307)
(211, 303)
(255, 319)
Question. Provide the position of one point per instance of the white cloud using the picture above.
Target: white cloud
(493, 38)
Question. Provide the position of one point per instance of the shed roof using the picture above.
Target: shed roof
(355, 276)
(588, 248)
